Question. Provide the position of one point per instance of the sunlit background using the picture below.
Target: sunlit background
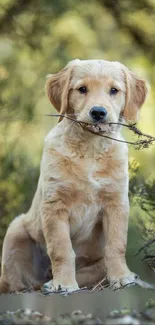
(40, 37)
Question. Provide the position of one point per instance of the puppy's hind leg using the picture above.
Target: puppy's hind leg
(17, 272)
(91, 275)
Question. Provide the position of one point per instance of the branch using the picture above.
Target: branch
(148, 257)
(140, 144)
(148, 244)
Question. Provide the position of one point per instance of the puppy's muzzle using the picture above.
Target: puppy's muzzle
(98, 113)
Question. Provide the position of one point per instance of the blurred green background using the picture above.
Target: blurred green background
(40, 37)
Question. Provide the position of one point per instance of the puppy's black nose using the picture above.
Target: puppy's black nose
(98, 113)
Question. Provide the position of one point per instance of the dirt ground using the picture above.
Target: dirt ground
(124, 316)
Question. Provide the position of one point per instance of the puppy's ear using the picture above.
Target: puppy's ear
(136, 92)
(57, 88)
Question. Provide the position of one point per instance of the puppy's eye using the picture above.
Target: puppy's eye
(83, 90)
(113, 91)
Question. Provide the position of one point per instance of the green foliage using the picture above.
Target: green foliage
(142, 198)
(142, 195)
(18, 183)
(38, 38)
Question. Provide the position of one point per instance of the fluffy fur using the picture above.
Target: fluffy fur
(78, 221)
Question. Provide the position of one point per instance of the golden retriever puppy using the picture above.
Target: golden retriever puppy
(78, 220)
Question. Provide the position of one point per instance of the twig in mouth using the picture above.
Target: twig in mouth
(139, 144)
(69, 118)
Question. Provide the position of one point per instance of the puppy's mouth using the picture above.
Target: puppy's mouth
(102, 127)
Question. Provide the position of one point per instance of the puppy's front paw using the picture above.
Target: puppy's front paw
(53, 286)
(127, 280)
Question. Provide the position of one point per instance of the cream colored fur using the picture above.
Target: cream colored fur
(79, 214)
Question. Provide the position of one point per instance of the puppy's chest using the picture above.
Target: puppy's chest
(95, 174)
(93, 187)
(83, 218)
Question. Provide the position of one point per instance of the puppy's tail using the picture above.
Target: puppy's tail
(4, 286)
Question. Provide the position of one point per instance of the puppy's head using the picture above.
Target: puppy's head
(97, 92)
